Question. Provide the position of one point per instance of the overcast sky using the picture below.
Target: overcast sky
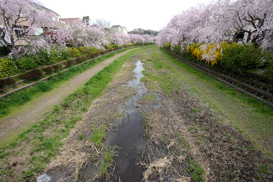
(147, 14)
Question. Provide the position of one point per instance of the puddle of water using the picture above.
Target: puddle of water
(158, 98)
(138, 86)
(130, 137)
(130, 140)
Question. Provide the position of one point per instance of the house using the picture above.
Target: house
(118, 29)
(20, 30)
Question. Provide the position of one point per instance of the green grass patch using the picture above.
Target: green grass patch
(108, 155)
(98, 135)
(150, 97)
(196, 171)
(249, 116)
(81, 136)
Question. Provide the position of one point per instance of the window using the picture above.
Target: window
(19, 33)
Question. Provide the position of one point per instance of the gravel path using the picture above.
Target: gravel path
(31, 112)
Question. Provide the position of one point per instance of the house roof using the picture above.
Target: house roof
(67, 20)
(115, 26)
(45, 8)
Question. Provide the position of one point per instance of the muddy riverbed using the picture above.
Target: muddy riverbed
(127, 134)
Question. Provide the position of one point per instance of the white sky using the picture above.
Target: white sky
(147, 14)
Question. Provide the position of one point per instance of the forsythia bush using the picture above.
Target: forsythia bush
(211, 53)
(195, 50)
(76, 52)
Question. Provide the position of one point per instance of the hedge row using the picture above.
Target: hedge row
(36, 73)
(43, 58)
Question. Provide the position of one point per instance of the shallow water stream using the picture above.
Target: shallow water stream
(129, 136)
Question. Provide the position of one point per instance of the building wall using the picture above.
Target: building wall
(115, 29)
(124, 30)
(118, 29)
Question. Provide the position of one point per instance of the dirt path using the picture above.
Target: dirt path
(31, 112)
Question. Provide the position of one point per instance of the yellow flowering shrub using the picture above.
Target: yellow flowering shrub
(195, 50)
(82, 49)
(210, 53)
(76, 52)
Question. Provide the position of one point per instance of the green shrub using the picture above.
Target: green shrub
(69, 63)
(238, 58)
(168, 45)
(91, 50)
(42, 57)
(55, 56)
(177, 49)
(57, 67)
(48, 70)
(6, 82)
(26, 63)
(269, 65)
(34, 74)
(65, 55)
(110, 46)
(7, 67)
(79, 59)
(114, 46)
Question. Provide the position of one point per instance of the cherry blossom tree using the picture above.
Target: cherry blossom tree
(148, 38)
(79, 34)
(254, 17)
(136, 38)
(96, 37)
(26, 14)
(212, 23)
(119, 39)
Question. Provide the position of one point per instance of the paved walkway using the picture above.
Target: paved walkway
(32, 111)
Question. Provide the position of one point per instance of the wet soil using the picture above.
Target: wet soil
(186, 131)
(32, 111)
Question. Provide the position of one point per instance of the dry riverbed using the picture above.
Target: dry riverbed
(149, 125)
